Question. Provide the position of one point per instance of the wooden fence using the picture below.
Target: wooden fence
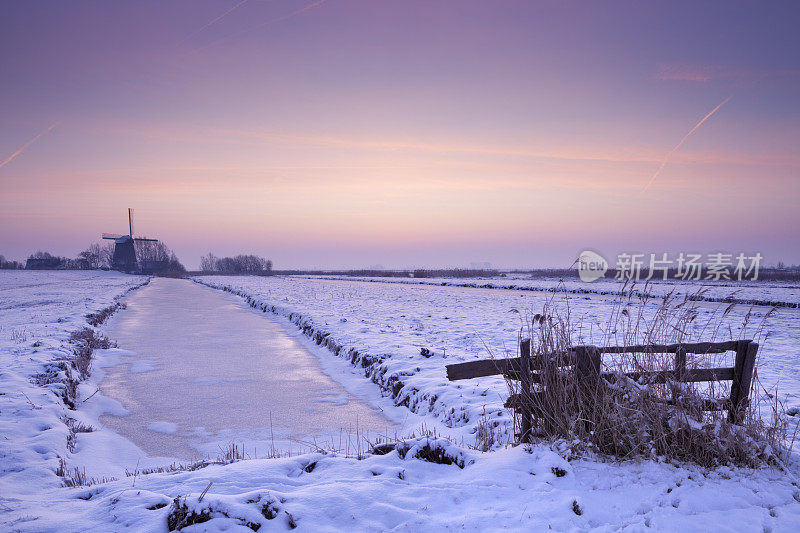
(587, 362)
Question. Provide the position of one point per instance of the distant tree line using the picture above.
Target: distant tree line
(455, 273)
(417, 273)
(92, 258)
(153, 258)
(240, 264)
(10, 265)
(47, 261)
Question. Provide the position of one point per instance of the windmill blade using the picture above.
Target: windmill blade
(130, 221)
(112, 236)
(146, 239)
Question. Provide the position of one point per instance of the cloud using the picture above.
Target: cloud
(706, 73)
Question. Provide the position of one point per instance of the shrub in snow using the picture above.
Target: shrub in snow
(433, 450)
(253, 512)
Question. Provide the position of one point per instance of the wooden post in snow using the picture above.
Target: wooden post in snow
(742, 378)
(526, 391)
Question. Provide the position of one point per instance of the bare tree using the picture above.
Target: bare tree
(208, 263)
(156, 256)
(91, 257)
(106, 254)
(152, 251)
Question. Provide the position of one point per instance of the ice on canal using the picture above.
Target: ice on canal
(199, 370)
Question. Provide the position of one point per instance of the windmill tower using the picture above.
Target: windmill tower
(124, 258)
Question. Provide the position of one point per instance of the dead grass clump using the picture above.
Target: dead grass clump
(75, 427)
(626, 418)
(95, 319)
(82, 361)
(92, 338)
(181, 515)
(486, 433)
(69, 392)
(87, 341)
(576, 508)
(76, 477)
(230, 453)
(171, 468)
(433, 451)
(58, 377)
(19, 335)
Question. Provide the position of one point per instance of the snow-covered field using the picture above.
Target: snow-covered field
(766, 293)
(380, 329)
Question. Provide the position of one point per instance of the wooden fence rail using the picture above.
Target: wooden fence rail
(587, 361)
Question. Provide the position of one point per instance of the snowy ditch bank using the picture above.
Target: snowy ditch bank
(40, 387)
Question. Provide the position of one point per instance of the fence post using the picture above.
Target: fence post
(587, 368)
(742, 378)
(679, 374)
(525, 396)
(680, 363)
(588, 359)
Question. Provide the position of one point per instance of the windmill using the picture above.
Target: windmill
(124, 258)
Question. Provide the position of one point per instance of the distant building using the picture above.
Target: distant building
(480, 265)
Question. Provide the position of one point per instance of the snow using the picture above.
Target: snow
(377, 331)
(163, 427)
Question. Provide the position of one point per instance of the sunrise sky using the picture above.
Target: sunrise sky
(347, 133)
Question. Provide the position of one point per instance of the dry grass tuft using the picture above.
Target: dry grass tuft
(95, 319)
(87, 341)
(230, 453)
(623, 418)
(76, 477)
(487, 434)
(75, 427)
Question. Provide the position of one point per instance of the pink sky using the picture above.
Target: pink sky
(346, 134)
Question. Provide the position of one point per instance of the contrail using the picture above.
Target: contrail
(666, 158)
(265, 24)
(215, 20)
(293, 13)
(24, 146)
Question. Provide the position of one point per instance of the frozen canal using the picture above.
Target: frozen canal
(207, 370)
